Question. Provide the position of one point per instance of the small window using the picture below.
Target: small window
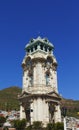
(46, 49)
(35, 47)
(41, 46)
(30, 81)
(29, 63)
(47, 79)
(31, 49)
(50, 49)
(49, 60)
(28, 50)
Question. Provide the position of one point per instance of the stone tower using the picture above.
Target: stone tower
(40, 100)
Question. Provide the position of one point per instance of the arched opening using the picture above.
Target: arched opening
(49, 59)
(28, 62)
(45, 48)
(35, 47)
(47, 79)
(41, 46)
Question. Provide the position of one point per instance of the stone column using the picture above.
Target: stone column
(51, 71)
(31, 113)
(55, 80)
(57, 114)
(43, 48)
(43, 75)
(38, 46)
(30, 50)
(35, 112)
(39, 73)
(22, 112)
(47, 49)
(40, 109)
(33, 48)
(25, 80)
(45, 112)
(34, 75)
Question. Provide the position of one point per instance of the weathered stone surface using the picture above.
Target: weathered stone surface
(40, 83)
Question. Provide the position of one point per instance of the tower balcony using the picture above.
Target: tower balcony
(39, 89)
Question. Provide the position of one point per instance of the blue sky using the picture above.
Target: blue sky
(58, 20)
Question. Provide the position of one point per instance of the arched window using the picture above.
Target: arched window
(49, 60)
(28, 62)
(32, 49)
(50, 49)
(41, 47)
(35, 47)
(30, 78)
(47, 79)
(28, 50)
(45, 48)
(31, 81)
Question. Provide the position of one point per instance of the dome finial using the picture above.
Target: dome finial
(38, 37)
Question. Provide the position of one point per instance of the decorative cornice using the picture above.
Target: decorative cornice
(47, 97)
(37, 40)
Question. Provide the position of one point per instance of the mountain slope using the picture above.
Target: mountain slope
(72, 107)
(8, 98)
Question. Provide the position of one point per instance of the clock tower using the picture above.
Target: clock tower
(40, 100)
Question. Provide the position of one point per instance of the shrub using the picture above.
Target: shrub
(6, 128)
(2, 120)
(59, 126)
(37, 125)
(29, 127)
(50, 126)
(20, 124)
(55, 126)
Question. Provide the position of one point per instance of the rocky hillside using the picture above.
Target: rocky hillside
(72, 107)
(8, 101)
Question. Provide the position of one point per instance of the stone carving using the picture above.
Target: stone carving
(39, 80)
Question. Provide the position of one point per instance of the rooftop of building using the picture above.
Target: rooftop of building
(39, 43)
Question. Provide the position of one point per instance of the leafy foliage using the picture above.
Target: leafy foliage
(2, 120)
(37, 125)
(50, 126)
(59, 126)
(20, 124)
(6, 128)
(29, 127)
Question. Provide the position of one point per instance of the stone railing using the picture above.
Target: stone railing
(39, 89)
